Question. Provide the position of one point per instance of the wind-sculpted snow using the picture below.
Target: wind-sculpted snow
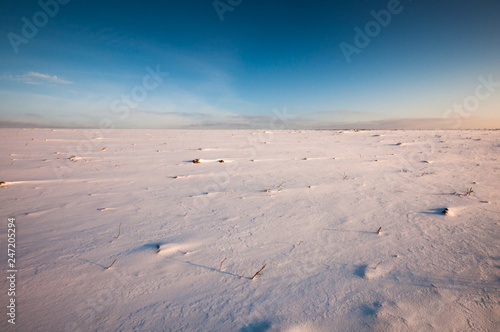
(358, 230)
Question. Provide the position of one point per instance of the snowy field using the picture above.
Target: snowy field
(184, 238)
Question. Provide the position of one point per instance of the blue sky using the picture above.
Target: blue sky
(235, 63)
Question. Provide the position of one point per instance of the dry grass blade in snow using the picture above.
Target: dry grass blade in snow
(119, 227)
(258, 272)
(222, 262)
(111, 264)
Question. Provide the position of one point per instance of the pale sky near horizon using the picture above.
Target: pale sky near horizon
(238, 63)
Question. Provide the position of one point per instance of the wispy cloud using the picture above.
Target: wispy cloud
(172, 113)
(33, 115)
(340, 112)
(177, 120)
(35, 78)
(40, 123)
(406, 123)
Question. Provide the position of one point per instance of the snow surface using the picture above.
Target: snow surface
(307, 204)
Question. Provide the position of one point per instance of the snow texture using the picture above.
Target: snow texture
(186, 238)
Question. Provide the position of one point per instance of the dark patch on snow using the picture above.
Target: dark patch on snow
(256, 327)
(360, 270)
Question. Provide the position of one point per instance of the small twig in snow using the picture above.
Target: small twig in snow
(220, 267)
(258, 272)
(111, 264)
(119, 227)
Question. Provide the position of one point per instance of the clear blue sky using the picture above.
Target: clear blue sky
(233, 63)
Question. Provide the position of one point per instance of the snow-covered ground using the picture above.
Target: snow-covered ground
(307, 204)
